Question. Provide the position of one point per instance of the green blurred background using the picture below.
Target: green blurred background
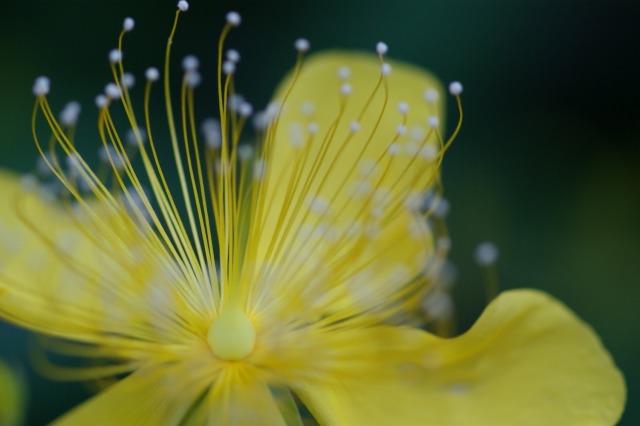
(547, 164)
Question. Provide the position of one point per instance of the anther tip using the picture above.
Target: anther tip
(486, 254)
(302, 45)
(152, 74)
(128, 24)
(382, 48)
(183, 5)
(455, 88)
(234, 19)
(41, 86)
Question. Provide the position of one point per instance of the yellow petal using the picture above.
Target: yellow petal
(11, 397)
(332, 213)
(527, 361)
(150, 396)
(84, 273)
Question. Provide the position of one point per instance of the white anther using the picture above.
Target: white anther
(260, 120)
(272, 111)
(211, 131)
(192, 79)
(302, 45)
(152, 74)
(190, 63)
(443, 244)
(70, 113)
(115, 56)
(109, 155)
(318, 205)
(382, 48)
(42, 164)
(429, 152)
(245, 109)
(259, 167)
(73, 163)
(245, 152)
(346, 89)
(393, 149)
(233, 56)
(41, 86)
(136, 139)
(101, 101)
(344, 72)
(385, 69)
(431, 95)
(183, 6)
(307, 108)
(486, 254)
(354, 126)
(128, 80)
(128, 24)
(295, 134)
(411, 148)
(228, 67)
(313, 128)
(233, 19)
(401, 130)
(433, 122)
(403, 108)
(441, 207)
(455, 88)
(438, 305)
(112, 91)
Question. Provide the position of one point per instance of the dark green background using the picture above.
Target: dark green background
(547, 164)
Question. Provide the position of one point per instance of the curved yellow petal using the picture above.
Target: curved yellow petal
(11, 397)
(87, 273)
(527, 361)
(165, 395)
(347, 161)
(150, 396)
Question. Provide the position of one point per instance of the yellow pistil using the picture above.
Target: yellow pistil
(232, 335)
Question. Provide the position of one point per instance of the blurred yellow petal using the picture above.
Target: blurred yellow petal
(351, 158)
(164, 395)
(83, 272)
(150, 396)
(527, 361)
(11, 397)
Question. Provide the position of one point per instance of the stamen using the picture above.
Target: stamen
(190, 63)
(128, 80)
(233, 56)
(455, 88)
(41, 86)
(152, 74)
(183, 6)
(115, 56)
(70, 113)
(112, 91)
(403, 108)
(234, 19)
(486, 255)
(302, 45)
(344, 72)
(385, 69)
(128, 24)
(431, 96)
(382, 48)
(228, 68)
(101, 101)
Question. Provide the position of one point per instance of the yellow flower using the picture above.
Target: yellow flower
(11, 397)
(289, 270)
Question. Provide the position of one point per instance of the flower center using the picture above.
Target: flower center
(232, 335)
